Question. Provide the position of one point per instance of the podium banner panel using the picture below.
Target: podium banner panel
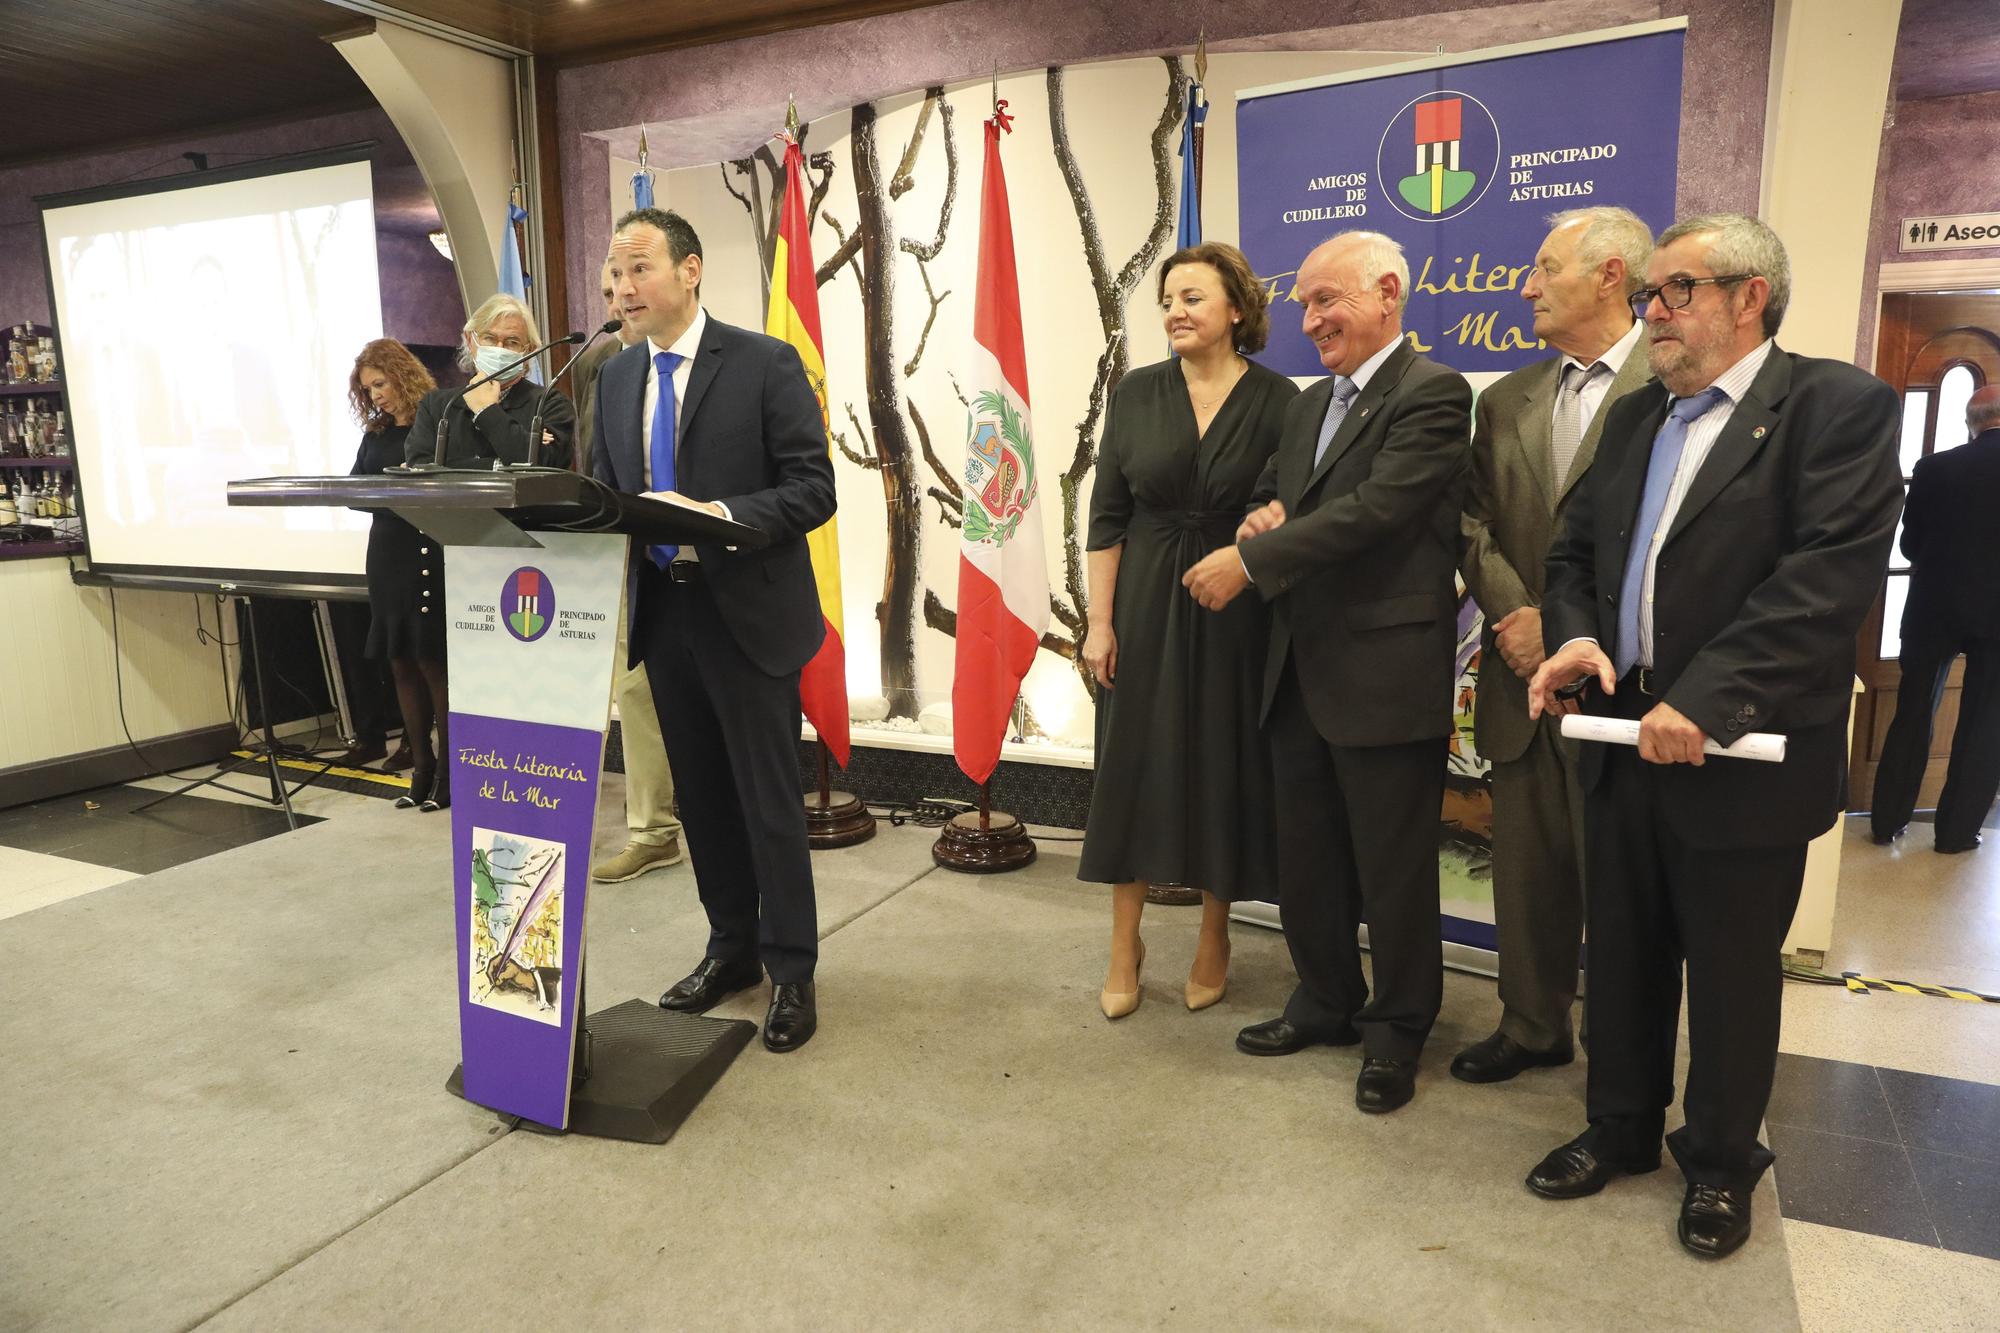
(531, 637)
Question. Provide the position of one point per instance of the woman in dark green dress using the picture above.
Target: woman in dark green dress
(1183, 781)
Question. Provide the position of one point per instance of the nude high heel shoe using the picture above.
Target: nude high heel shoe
(1117, 1004)
(1200, 997)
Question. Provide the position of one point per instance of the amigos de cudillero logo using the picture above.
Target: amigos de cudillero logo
(1438, 156)
(528, 604)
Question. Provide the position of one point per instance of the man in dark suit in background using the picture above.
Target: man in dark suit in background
(1953, 546)
(1355, 547)
(723, 418)
(1534, 434)
(1710, 577)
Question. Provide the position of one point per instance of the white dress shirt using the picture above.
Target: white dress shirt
(684, 347)
(1596, 388)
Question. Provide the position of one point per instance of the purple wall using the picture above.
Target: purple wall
(1941, 156)
(833, 67)
(420, 300)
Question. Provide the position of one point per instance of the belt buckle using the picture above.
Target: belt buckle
(682, 571)
(1646, 683)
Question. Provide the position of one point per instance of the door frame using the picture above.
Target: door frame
(1896, 277)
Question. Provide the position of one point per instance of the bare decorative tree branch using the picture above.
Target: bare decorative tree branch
(858, 459)
(951, 496)
(945, 621)
(1113, 293)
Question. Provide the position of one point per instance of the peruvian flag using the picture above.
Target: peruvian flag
(1003, 584)
(794, 318)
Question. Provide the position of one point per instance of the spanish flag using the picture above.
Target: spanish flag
(794, 318)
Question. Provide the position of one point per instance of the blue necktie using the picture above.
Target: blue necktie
(1666, 460)
(1344, 391)
(664, 478)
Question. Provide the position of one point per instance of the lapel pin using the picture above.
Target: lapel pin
(1364, 412)
(1757, 434)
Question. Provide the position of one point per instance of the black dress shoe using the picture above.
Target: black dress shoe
(1573, 1171)
(1883, 839)
(1500, 1058)
(364, 753)
(440, 797)
(710, 984)
(1715, 1220)
(1385, 1085)
(1279, 1037)
(1951, 848)
(793, 1017)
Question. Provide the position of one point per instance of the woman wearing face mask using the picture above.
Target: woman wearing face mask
(384, 390)
(1183, 787)
(482, 426)
(489, 424)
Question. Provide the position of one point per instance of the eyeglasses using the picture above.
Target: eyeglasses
(1675, 293)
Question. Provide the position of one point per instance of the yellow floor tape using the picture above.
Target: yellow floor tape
(335, 770)
(1862, 985)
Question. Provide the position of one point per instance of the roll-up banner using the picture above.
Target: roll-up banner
(1461, 160)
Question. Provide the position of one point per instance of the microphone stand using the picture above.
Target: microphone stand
(444, 413)
(535, 426)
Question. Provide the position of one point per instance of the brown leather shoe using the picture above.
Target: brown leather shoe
(636, 860)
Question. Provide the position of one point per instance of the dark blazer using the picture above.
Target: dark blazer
(1512, 507)
(751, 437)
(1953, 545)
(498, 434)
(1765, 576)
(583, 383)
(1360, 576)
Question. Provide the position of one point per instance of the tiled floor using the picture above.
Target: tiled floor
(1885, 1116)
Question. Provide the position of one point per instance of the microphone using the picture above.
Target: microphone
(535, 426)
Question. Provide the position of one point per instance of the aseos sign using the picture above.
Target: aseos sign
(1957, 231)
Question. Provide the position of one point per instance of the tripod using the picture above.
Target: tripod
(265, 753)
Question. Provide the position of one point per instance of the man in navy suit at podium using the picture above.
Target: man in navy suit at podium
(725, 419)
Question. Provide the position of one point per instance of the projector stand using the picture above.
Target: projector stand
(266, 754)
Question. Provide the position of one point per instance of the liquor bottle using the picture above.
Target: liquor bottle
(45, 360)
(17, 354)
(31, 431)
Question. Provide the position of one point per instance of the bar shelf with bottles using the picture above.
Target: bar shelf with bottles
(38, 501)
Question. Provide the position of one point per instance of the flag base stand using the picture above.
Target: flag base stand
(835, 818)
(1172, 895)
(983, 841)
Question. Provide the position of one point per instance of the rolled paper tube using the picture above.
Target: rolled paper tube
(1761, 745)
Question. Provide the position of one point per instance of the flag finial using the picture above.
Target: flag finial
(642, 146)
(1201, 57)
(791, 116)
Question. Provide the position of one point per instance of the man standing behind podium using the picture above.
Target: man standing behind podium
(725, 418)
(1710, 575)
(1534, 434)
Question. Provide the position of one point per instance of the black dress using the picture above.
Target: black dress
(405, 568)
(1182, 793)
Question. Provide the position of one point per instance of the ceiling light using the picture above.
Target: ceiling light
(442, 242)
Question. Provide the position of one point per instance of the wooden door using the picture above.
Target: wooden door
(1935, 348)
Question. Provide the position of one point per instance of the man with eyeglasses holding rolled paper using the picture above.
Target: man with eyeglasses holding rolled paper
(1709, 578)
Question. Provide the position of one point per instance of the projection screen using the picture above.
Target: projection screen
(207, 325)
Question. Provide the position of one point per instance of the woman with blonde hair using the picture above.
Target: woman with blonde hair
(1183, 783)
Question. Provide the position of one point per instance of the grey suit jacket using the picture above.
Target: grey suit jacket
(1512, 506)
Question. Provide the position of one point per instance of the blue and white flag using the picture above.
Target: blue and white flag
(1187, 230)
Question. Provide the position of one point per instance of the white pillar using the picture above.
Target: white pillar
(454, 107)
(1829, 93)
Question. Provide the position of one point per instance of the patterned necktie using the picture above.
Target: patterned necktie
(1566, 437)
(1666, 460)
(1344, 391)
(664, 478)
